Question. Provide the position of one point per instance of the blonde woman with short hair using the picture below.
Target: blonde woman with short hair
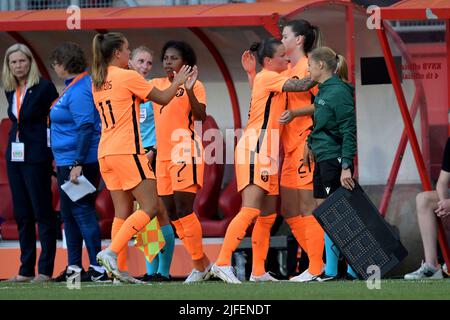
(29, 161)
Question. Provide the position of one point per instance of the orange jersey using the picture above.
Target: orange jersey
(297, 100)
(118, 104)
(267, 104)
(176, 115)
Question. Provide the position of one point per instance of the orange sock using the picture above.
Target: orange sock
(179, 230)
(122, 255)
(297, 225)
(315, 239)
(200, 264)
(261, 242)
(181, 235)
(193, 235)
(235, 233)
(132, 225)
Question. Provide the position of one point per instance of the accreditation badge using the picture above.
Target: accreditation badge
(17, 151)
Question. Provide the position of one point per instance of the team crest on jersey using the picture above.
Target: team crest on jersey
(321, 102)
(180, 92)
(265, 176)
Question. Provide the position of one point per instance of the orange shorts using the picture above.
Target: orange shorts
(257, 169)
(124, 171)
(294, 174)
(181, 176)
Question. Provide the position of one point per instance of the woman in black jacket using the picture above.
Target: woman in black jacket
(29, 161)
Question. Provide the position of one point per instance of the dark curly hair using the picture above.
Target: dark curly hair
(185, 50)
(70, 56)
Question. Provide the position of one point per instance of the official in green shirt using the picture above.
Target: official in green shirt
(332, 143)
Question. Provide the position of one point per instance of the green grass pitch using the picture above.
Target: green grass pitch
(215, 290)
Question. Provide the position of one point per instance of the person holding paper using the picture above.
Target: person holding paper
(75, 134)
(29, 161)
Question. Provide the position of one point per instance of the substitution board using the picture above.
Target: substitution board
(359, 231)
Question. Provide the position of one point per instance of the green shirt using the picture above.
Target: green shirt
(334, 133)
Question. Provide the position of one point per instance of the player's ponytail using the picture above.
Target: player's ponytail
(318, 38)
(103, 47)
(341, 68)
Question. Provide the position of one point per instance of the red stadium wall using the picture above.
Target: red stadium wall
(430, 65)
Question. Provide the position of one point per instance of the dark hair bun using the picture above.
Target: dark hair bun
(255, 46)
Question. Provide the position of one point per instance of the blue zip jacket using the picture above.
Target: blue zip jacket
(75, 125)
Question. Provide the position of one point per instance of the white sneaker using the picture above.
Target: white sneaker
(226, 273)
(426, 271)
(197, 276)
(306, 276)
(129, 279)
(125, 278)
(264, 278)
(117, 281)
(108, 259)
(74, 268)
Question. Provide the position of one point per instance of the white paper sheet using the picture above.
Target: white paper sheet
(78, 191)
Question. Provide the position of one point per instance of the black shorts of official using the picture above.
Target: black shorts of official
(326, 178)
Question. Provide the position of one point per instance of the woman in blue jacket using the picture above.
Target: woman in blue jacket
(75, 134)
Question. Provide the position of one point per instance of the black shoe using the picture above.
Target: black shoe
(66, 273)
(156, 277)
(146, 277)
(93, 275)
(160, 278)
(348, 276)
(324, 277)
(62, 276)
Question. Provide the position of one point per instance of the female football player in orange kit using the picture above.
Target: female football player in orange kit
(256, 154)
(179, 176)
(124, 167)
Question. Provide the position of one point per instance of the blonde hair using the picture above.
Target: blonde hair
(333, 61)
(141, 49)
(10, 83)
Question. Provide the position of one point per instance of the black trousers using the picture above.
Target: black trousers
(32, 199)
(327, 177)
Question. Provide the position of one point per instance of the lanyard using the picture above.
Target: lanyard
(18, 106)
(75, 80)
(18, 102)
